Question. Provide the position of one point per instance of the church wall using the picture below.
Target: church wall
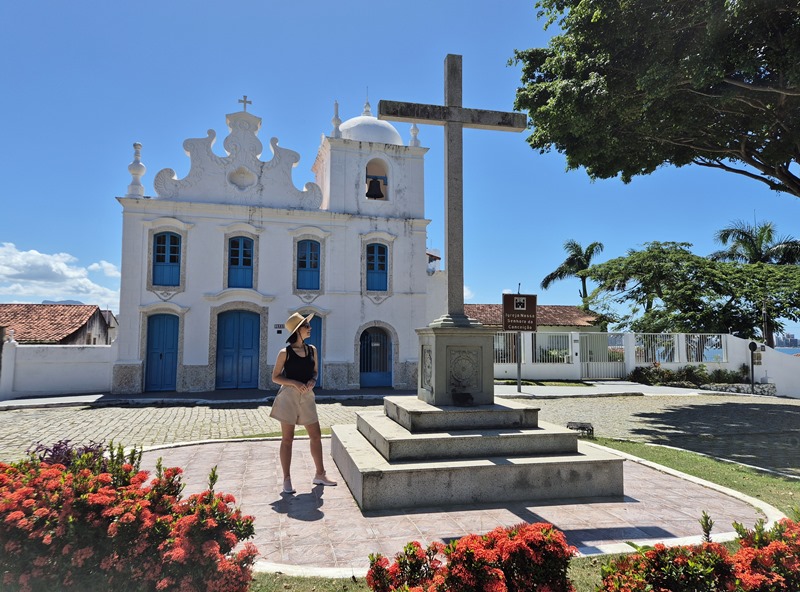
(340, 303)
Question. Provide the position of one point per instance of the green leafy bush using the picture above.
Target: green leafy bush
(95, 522)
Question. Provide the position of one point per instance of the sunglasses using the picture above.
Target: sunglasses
(305, 326)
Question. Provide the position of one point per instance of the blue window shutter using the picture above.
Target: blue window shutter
(240, 262)
(377, 268)
(166, 259)
(308, 265)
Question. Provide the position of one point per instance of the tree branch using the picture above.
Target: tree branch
(781, 91)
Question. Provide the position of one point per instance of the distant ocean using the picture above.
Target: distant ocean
(788, 350)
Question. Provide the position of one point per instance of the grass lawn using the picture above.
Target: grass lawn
(543, 382)
(780, 492)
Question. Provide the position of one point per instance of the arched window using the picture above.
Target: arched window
(166, 259)
(377, 267)
(240, 262)
(308, 265)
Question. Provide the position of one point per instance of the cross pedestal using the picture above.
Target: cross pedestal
(456, 365)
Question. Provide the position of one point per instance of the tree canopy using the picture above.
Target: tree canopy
(670, 289)
(630, 85)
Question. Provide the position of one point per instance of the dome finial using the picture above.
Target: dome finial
(367, 108)
(137, 170)
(336, 133)
(414, 133)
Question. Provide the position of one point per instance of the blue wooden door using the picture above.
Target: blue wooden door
(375, 358)
(237, 349)
(161, 363)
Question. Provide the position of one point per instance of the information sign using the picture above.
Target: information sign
(519, 312)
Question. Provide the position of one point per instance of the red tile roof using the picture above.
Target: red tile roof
(547, 315)
(44, 323)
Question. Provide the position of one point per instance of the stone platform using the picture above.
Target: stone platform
(417, 454)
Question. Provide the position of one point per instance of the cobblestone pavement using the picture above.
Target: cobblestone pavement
(759, 431)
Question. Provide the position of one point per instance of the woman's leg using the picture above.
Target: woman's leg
(315, 440)
(287, 438)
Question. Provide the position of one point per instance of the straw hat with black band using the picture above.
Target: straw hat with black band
(294, 322)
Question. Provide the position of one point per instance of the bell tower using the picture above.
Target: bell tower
(364, 168)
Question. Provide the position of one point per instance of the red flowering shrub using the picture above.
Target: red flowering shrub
(524, 557)
(74, 528)
(769, 561)
(706, 567)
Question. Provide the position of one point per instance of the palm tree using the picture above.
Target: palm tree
(577, 260)
(757, 243)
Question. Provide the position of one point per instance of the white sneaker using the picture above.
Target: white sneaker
(287, 486)
(323, 480)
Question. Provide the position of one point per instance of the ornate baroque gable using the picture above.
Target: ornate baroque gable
(240, 177)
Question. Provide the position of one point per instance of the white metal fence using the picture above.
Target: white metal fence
(687, 348)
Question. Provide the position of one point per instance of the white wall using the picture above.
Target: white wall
(39, 370)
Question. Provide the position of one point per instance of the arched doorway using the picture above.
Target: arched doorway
(375, 358)
(162, 353)
(238, 334)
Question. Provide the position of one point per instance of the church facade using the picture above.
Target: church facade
(214, 263)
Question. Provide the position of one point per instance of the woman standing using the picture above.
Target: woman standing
(296, 371)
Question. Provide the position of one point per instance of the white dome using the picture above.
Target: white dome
(368, 128)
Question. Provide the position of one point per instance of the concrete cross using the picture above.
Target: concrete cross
(454, 117)
(245, 102)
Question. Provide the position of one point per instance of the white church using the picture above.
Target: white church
(214, 263)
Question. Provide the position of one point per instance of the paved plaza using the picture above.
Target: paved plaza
(321, 530)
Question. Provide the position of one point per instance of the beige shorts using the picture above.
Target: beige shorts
(293, 407)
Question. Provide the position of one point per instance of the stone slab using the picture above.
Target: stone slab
(418, 416)
(396, 443)
(378, 484)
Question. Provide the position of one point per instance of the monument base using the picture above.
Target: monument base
(456, 363)
(417, 454)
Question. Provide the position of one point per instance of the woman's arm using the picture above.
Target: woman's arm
(312, 383)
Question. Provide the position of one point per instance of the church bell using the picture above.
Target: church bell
(374, 189)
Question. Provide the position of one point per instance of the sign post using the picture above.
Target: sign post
(519, 314)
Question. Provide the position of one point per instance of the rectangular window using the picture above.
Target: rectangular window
(377, 268)
(308, 265)
(166, 259)
(240, 262)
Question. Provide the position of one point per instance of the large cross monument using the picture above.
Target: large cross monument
(454, 444)
(456, 363)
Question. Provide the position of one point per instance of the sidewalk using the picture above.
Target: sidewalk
(253, 396)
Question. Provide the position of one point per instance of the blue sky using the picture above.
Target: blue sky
(82, 81)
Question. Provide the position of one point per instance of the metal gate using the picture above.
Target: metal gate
(602, 356)
(375, 362)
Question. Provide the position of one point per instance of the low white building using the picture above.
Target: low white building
(215, 262)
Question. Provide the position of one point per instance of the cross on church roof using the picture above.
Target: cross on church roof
(245, 102)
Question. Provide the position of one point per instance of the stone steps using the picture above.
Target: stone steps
(377, 483)
(396, 443)
(418, 416)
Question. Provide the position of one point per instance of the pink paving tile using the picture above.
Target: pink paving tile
(323, 526)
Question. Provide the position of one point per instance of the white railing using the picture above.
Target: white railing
(551, 348)
(682, 348)
(705, 347)
(505, 347)
(654, 348)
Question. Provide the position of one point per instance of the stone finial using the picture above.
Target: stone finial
(10, 337)
(336, 133)
(137, 170)
(367, 109)
(414, 133)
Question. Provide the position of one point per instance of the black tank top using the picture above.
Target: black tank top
(299, 368)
